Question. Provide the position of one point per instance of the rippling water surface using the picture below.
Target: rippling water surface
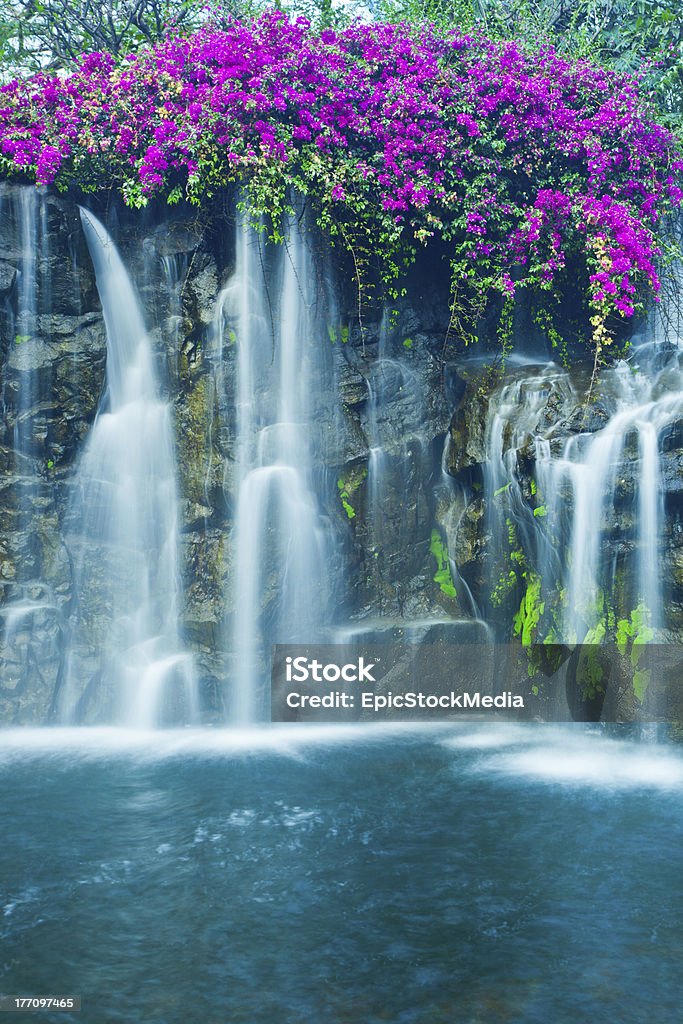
(456, 875)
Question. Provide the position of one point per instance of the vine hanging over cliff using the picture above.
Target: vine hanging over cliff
(519, 160)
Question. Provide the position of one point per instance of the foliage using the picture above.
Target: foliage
(56, 33)
(443, 575)
(635, 630)
(334, 335)
(348, 487)
(632, 635)
(590, 671)
(643, 37)
(344, 496)
(520, 161)
(445, 14)
(526, 620)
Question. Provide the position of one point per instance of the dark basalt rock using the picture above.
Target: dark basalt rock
(53, 381)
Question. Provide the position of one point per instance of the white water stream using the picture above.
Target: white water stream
(126, 534)
(281, 540)
(594, 487)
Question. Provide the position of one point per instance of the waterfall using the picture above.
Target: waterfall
(27, 315)
(629, 443)
(515, 419)
(594, 536)
(27, 206)
(399, 464)
(124, 637)
(30, 613)
(318, 501)
(281, 540)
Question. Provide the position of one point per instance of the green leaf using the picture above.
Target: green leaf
(641, 681)
(531, 608)
(347, 488)
(443, 575)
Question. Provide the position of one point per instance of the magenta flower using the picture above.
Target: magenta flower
(517, 158)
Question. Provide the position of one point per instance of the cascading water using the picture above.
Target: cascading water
(593, 530)
(388, 454)
(451, 498)
(101, 815)
(407, 507)
(174, 268)
(281, 541)
(623, 455)
(515, 419)
(320, 444)
(399, 463)
(26, 322)
(124, 638)
(30, 613)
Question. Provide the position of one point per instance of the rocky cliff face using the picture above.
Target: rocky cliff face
(567, 489)
(406, 451)
(53, 357)
(53, 375)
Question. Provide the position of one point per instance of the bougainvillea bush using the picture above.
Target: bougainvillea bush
(520, 160)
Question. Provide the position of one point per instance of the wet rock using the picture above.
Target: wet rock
(386, 405)
(353, 387)
(179, 237)
(8, 276)
(467, 435)
(203, 288)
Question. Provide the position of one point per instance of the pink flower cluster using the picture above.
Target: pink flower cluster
(518, 155)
